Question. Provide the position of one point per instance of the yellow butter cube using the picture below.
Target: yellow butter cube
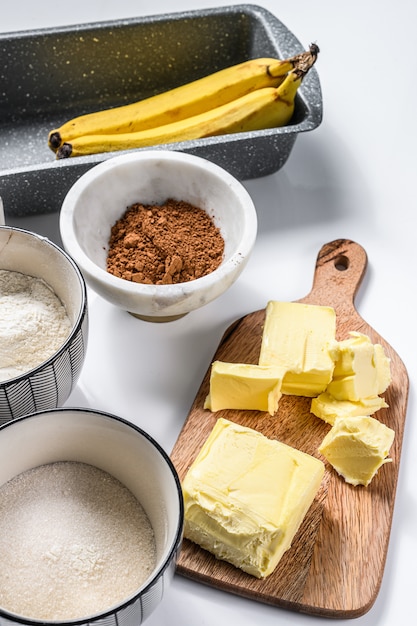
(328, 408)
(244, 386)
(246, 495)
(299, 338)
(362, 369)
(357, 447)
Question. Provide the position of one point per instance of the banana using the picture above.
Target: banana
(263, 108)
(177, 104)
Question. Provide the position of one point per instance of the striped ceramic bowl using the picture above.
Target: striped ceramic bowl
(130, 455)
(49, 384)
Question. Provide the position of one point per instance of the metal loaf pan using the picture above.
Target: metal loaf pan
(50, 75)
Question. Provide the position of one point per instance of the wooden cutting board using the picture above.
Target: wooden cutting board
(334, 567)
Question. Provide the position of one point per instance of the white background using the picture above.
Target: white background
(353, 178)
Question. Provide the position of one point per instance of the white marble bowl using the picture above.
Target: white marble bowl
(130, 455)
(100, 197)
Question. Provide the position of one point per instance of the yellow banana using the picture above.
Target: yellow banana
(177, 104)
(267, 107)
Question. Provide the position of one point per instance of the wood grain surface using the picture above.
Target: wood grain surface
(335, 565)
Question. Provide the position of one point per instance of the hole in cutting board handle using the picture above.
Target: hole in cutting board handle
(341, 263)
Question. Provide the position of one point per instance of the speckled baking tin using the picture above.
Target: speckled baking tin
(50, 75)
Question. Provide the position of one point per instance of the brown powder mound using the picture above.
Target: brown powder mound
(163, 244)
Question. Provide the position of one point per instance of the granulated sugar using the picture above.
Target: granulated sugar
(33, 323)
(73, 542)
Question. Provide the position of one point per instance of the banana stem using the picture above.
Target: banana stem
(306, 61)
(303, 60)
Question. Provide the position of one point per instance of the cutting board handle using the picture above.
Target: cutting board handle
(340, 268)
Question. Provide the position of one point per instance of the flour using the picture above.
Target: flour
(33, 323)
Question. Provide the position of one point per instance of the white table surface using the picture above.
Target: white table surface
(350, 178)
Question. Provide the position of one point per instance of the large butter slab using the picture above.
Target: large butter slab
(328, 408)
(357, 447)
(361, 369)
(244, 386)
(246, 495)
(299, 338)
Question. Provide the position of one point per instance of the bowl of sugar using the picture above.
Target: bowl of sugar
(91, 520)
(43, 323)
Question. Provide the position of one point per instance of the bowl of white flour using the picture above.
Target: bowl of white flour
(43, 323)
(91, 520)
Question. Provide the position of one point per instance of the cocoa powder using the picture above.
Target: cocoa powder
(163, 244)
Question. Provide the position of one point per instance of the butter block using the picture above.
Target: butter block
(244, 386)
(383, 368)
(328, 408)
(299, 338)
(362, 369)
(357, 447)
(246, 495)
